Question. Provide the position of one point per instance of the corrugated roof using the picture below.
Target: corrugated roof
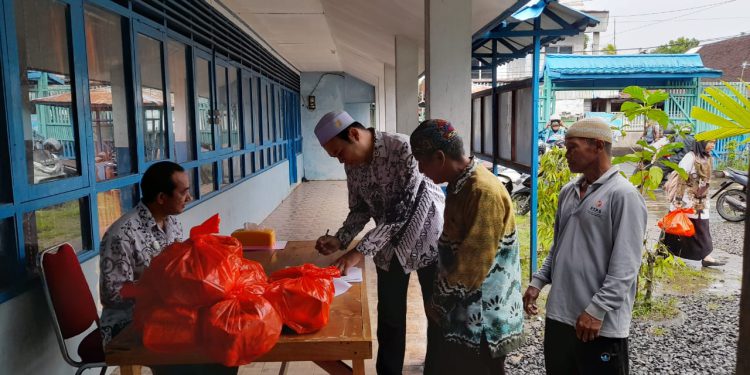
(728, 56)
(621, 66)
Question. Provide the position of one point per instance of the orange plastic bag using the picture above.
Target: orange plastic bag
(198, 272)
(236, 331)
(303, 296)
(170, 329)
(678, 223)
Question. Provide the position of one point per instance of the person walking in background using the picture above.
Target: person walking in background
(477, 296)
(693, 193)
(593, 262)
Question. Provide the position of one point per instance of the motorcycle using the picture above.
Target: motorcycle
(522, 197)
(731, 203)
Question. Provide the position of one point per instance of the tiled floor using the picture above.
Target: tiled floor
(311, 209)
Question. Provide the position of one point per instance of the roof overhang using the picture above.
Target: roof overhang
(617, 71)
(511, 35)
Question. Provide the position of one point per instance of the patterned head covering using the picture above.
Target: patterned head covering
(433, 135)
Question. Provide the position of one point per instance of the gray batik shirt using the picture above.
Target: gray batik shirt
(126, 251)
(407, 206)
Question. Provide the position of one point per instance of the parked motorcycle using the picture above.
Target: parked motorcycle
(522, 197)
(731, 203)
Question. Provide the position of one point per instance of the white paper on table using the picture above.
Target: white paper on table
(340, 286)
(279, 245)
(353, 275)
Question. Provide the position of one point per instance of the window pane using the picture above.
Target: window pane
(52, 226)
(7, 252)
(247, 109)
(114, 203)
(256, 104)
(108, 95)
(222, 104)
(150, 61)
(236, 168)
(249, 163)
(203, 90)
(234, 113)
(226, 172)
(192, 173)
(46, 93)
(208, 173)
(182, 124)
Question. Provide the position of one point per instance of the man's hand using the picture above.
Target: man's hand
(529, 300)
(587, 327)
(327, 245)
(350, 259)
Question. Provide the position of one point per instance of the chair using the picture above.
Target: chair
(71, 306)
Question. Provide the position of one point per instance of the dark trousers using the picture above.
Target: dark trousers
(565, 354)
(392, 288)
(453, 358)
(207, 369)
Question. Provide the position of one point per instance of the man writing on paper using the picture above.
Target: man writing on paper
(385, 184)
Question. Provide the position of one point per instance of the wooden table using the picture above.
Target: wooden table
(346, 337)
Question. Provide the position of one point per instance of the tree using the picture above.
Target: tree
(736, 121)
(610, 49)
(679, 45)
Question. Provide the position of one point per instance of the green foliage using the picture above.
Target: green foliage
(735, 111)
(610, 49)
(734, 158)
(679, 45)
(554, 175)
(658, 309)
(644, 106)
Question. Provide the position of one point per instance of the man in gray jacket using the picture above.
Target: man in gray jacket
(594, 260)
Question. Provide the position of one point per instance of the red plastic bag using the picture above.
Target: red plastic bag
(303, 296)
(678, 223)
(238, 330)
(198, 272)
(170, 329)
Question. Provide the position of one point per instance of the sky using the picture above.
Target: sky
(649, 23)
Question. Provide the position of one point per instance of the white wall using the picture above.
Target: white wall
(29, 345)
(334, 92)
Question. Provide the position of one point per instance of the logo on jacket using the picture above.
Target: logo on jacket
(597, 208)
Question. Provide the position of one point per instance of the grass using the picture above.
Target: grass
(658, 331)
(686, 280)
(524, 240)
(661, 308)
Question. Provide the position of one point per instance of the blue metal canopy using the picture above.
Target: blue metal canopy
(606, 71)
(511, 35)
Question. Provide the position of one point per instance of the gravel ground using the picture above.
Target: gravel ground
(727, 236)
(704, 343)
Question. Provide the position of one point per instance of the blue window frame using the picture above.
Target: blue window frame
(174, 105)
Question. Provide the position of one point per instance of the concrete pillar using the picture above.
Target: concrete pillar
(448, 63)
(390, 98)
(406, 84)
(380, 102)
(595, 44)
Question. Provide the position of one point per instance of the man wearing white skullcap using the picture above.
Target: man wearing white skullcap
(385, 184)
(594, 261)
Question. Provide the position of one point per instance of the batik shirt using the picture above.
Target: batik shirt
(478, 287)
(126, 251)
(407, 207)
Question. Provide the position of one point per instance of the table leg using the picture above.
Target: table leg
(130, 370)
(359, 366)
(284, 367)
(335, 367)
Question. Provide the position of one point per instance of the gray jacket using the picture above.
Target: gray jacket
(594, 261)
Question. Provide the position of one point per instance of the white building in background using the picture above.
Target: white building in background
(574, 103)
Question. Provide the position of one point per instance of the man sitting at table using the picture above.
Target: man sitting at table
(137, 237)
